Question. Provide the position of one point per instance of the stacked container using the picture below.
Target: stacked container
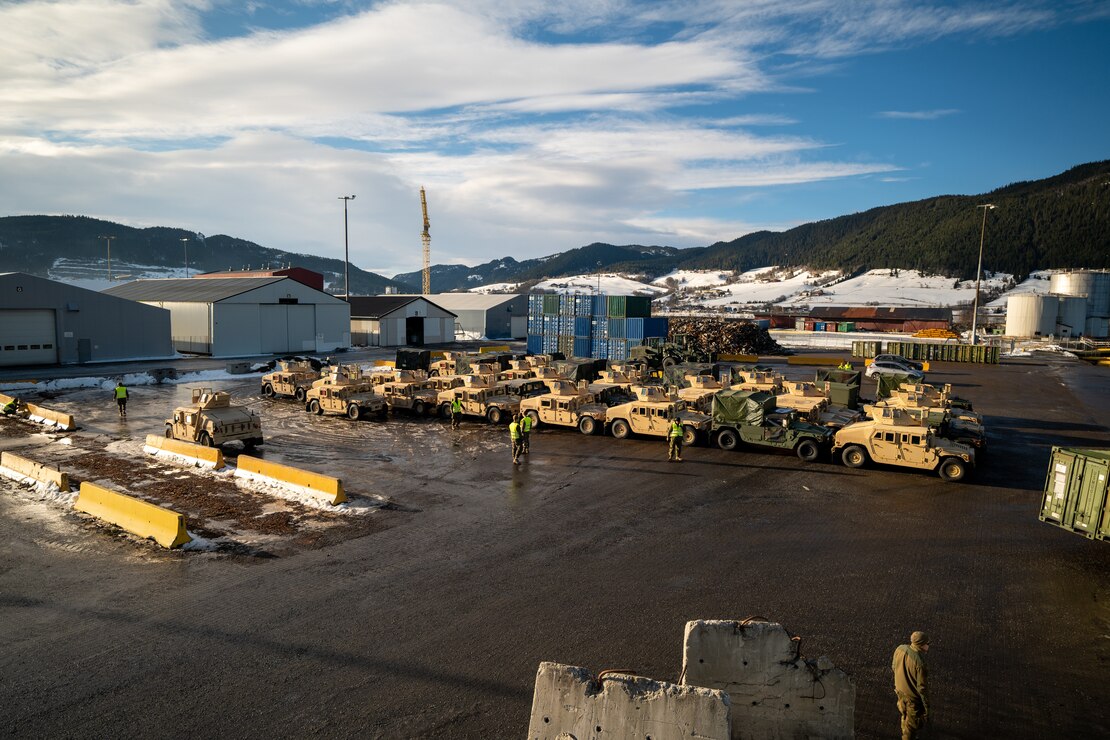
(1077, 491)
(600, 326)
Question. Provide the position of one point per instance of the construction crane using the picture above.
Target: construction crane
(426, 238)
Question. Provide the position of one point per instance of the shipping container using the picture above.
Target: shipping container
(656, 326)
(847, 326)
(811, 325)
(600, 305)
(582, 326)
(762, 323)
(551, 304)
(582, 347)
(830, 326)
(535, 344)
(617, 327)
(583, 305)
(618, 306)
(637, 307)
(1075, 491)
(800, 324)
(818, 326)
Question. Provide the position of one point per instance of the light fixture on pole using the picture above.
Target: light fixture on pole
(109, 239)
(346, 251)
(185, 243)
(978, 274)
(599, 277)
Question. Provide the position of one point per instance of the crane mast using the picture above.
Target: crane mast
(426, 238)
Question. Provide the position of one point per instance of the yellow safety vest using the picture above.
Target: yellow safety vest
(121, 392)
(456, 406)
(526, 424)
(676, 429)
(514, 430)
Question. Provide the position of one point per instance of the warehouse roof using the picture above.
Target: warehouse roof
(473, 301)
(892, 313)
(188, 290)
(377, 306)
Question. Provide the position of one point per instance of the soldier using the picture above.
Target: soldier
(14, 407)
(911, 686)
(525, 433)
(456, 412)
(514, 438)
(674, 441)
(121, 399)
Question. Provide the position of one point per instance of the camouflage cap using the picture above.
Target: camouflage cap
(919, 638)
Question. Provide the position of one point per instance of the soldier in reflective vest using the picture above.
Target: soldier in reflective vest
(514, 437)
(525, 433)
(674, 441)
(456, 412)
(12, 408)
(121, 398)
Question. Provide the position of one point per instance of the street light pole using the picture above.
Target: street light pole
(978, 274)
(109, 240)
(599, 277)
(346, 251)
(185, 243)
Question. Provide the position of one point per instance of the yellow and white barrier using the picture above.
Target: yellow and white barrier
(187, 453)
(21, 469)
(316, 485)
(141, 518)
(43, 415)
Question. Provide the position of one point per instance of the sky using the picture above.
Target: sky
(535, 127)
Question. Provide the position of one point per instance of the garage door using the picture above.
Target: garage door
(27, 337)
(288, 328)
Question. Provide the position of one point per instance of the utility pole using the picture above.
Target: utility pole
(978, 274)
(599, 277)
(109, 240)
(346, 251)
(185, 243)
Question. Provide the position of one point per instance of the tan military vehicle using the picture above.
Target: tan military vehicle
(958, 425)
(812, 405)
(651, 413)
(614, 387)
(767, 381)
(291, 378)
(479, 399)
(698, 394)
(341, 375)
(452, 363)
(891, 441)
(212, 421)
(518, 370)
(567, 405)
(350, 394)
(416, 396)
(524, 387)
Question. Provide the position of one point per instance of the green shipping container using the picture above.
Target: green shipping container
(1076, 491)
(618, 306)
(847, 326)
(551, 304)
(638, 307)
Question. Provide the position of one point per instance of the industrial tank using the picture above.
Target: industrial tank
(1094, 285)
(1031, 315)
(1072, 314)
(1098, 328)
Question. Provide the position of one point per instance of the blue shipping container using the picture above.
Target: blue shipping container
(600, 305)
(582, 326)
(535, 344)
(634, 328)
(617, 329)
(582, 346)
(583, 305)
(618, 349)
(819, 326)
(655, 327)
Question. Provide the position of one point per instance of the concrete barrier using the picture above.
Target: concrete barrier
(319, 486)
(738, 358)
(186, 452)
(44, 415)
(385, 363)
(20, 468)
(141, 518)
(815, 360)
(774, 691)
(500, 348)
(570, 702)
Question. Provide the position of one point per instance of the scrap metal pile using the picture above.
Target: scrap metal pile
(726, 337)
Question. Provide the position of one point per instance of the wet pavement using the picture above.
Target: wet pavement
(429, 617)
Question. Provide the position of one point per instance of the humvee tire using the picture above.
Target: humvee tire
(534, 416)
(587, 424)
(952, 469)
(445, 410)
(354, 412)
(494, 415)
(727, 439)
(169, 432)
(419, 408)
(808, 450)
(620, 429)
(299, 394)
(689, 436)
(204, 440)
(854, 456)
(268, 391)
(314, 407)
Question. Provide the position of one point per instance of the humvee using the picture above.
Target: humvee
(890, 442)
(341, 375)
(651, 413)
(518, 370)
(524, 387)
(613, 387)
(754, 417)
(416, 396)
(292, 378)
(938, 396)
(813, 405)
(212, 421)
(452, 363)
(355, 401)
(479, 400)
(954, 424)
(767, 381)
(567, 405)
(698, 394)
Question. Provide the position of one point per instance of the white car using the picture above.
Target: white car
(899, 360)
(887, 367)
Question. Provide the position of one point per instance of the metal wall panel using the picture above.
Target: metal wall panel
(28, 337)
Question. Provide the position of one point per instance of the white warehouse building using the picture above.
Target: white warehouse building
(493, 316)
(398, 321)
(237, 317)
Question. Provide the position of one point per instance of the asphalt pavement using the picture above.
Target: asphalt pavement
(594, 552)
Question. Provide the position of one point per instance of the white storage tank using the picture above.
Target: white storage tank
(1031, 315)
(1072, 314)
(1094, 285)
(1098, 327)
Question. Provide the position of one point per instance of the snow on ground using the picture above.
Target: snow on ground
(696, 278)
(130, 379)
(898, 288)
(1037, 282)
(610, 284)
(93, 274)
(767, 285)
(495, 288)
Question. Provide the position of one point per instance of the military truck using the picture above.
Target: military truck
(651, 413)
(698, 392)
(212, 421)
(350, 394)
(523, 388)
(757, 379)
(812, 404)
(889, 442)
(754, 418)
(567, 405)
(479, 399)
(658, 354)
(954, 424)
(290, 379)
(415, 396)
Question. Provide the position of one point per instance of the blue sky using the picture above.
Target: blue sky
(535, 127)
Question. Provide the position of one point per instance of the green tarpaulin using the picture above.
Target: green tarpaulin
(742, 407)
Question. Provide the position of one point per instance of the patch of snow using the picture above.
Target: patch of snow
(300, 494)
(611, 284)
(36, 490)
(179, 459)
(696, 278)
(495, 288)
(129, 379)
(1037, 282)
(200, 544)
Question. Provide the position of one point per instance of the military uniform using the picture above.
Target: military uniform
(456, 413)
(514, 437)
(121, 399)
(911, 685)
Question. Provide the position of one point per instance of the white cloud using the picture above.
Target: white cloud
(918, 115)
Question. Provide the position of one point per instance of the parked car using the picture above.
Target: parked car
(888, 367)
(912, 364)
